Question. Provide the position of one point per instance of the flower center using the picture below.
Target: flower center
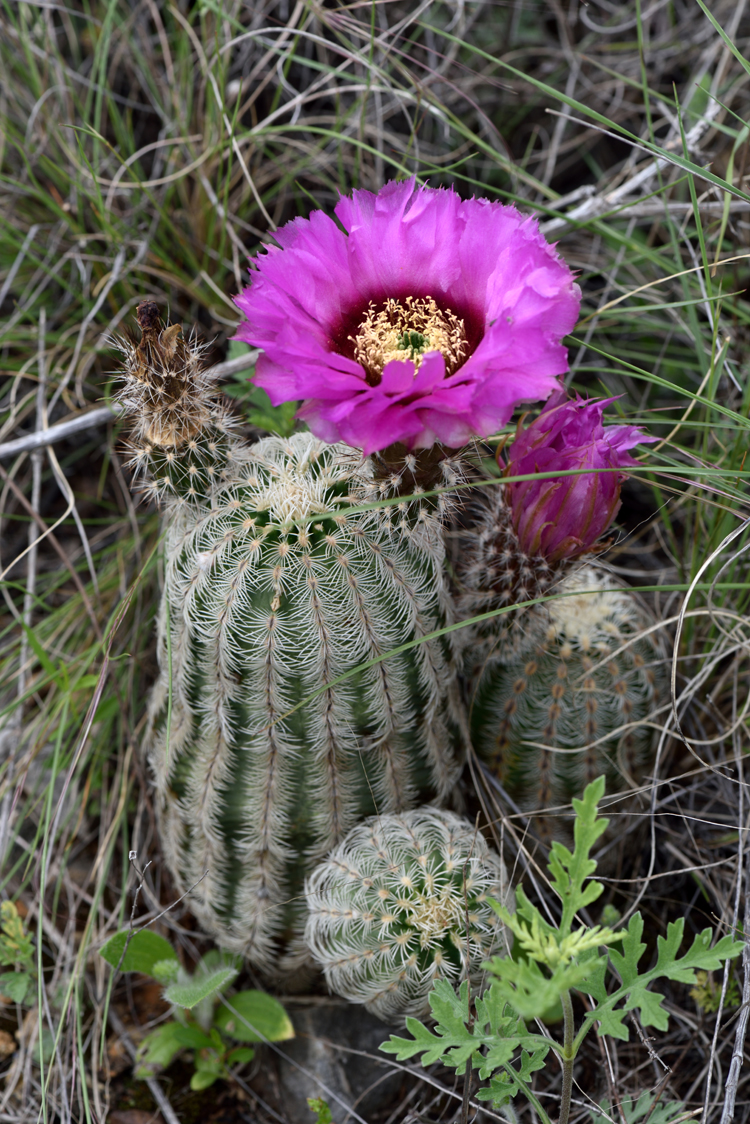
(431, 914)
(406, 330)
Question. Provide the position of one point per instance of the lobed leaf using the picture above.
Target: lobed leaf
(569, 871)
(634, 989)
(16, 947)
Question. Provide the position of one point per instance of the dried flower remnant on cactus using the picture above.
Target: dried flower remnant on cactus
(182, 437)
(402, 902)
(427, 319)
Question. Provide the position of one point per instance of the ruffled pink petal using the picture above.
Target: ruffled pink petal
(485, 261)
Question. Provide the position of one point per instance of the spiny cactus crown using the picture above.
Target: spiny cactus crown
(401, 902)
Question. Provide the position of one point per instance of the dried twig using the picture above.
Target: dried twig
(101, 415)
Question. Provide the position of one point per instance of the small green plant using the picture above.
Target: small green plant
(321, 1110)
(707, 992)
(16, 949)
(552, 963)
(203, 1020)
(648, 1109)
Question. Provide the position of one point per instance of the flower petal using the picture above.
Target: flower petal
(483, 261)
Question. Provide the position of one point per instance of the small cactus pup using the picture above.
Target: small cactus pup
(279, 718)
(576, 701)
(560, 692)
(402, 902)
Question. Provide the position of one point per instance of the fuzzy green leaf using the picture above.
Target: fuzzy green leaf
(165, 971)
(144, 950)
(15, 985)
(158, 1049)
(199, 987)
(268, 1020)
(192, 1037)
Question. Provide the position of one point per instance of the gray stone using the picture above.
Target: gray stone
(335, 1052)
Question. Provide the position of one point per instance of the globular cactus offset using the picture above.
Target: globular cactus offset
(275, 586)
(573, 698)
(402, 902)
(561, 691)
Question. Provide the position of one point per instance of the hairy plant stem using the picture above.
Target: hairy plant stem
(568, 1056)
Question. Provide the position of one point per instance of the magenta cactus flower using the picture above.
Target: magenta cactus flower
(417, 318)
(563, 517)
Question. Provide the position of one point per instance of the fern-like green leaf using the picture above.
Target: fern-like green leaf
(569, 872)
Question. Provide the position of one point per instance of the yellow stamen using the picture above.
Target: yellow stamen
(407, 330)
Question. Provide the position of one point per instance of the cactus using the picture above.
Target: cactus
(567, 697)
(274, 588)
(561, 690)
(402, 902)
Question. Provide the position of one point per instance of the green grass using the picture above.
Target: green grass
(145, 152)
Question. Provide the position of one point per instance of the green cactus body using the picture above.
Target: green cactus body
(274, 593)
(275, 587)
(401, 902)
(572, 697)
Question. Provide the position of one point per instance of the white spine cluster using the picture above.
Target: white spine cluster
(403, 901)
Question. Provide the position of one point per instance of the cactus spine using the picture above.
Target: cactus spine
(403, 901)
(274, 588)
(559, 692)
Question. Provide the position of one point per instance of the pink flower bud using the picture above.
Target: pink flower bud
(561, 517)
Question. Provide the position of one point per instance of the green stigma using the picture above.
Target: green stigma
(412, 341)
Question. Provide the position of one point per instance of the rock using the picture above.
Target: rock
(335, 1051)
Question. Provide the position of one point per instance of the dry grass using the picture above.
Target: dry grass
(146, 150)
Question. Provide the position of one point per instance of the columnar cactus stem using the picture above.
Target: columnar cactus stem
(575, 699)
(290, 718)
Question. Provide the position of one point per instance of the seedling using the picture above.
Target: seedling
(203, 1019)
